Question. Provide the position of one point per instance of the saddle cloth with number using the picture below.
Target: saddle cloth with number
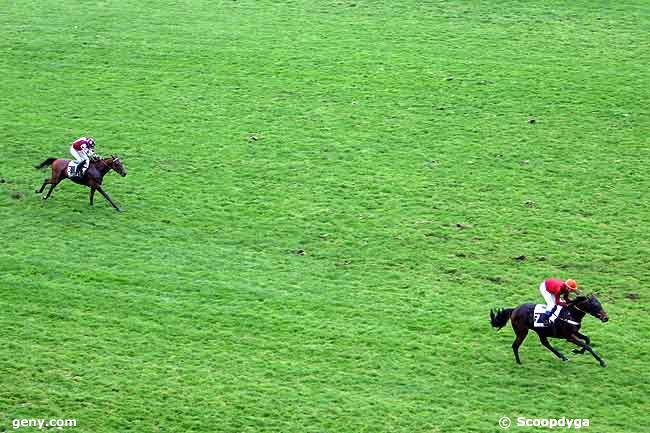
(538, 316)
(72, 168)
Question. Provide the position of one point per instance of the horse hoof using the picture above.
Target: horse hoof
(565, 359)
(603, 364)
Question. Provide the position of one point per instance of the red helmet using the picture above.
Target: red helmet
(571, 284)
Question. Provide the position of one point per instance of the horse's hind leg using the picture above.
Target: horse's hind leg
(545, 343)
(45, 182)
(521, 336)
(53, 181)
(52, 186)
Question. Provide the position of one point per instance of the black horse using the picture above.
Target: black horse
(566, 326)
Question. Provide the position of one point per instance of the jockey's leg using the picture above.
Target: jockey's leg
(80, 167)
(548, 297)
(556, 313)
(550, 302)
(77, 156)
(80, 159)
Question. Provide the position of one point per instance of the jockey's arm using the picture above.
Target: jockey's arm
(92, 154)
(565, 299)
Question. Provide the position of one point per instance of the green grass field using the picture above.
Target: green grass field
(324, 200)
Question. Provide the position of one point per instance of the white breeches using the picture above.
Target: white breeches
(79, 155)
(548, 297)
(550, 301)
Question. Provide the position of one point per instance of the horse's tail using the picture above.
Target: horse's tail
(499, 317)
(45, 163)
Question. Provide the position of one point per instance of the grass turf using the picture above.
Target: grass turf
(324, 200)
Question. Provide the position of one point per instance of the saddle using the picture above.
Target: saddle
(71, 169)
(540, 311)
(539, 314)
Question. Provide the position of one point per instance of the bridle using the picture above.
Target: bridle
(110, 162)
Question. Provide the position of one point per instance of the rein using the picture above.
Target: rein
(108, 162)
(573, 322)
(579, 309)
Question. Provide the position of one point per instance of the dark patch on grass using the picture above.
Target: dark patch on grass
(495, 279)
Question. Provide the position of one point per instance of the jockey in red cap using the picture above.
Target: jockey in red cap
(82, 149)
(551, 289)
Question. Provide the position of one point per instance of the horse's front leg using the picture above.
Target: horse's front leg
(575, 340)
(587, 341)
(107, 197)
(92, 194)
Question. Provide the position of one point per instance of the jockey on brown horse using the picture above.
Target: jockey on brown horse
(83, 150)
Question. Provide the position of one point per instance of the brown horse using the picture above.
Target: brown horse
(92, 178)
(566, 326)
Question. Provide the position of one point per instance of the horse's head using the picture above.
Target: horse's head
(115, 163)
(590, 304)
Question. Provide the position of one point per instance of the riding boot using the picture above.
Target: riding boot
(548, 316)
(80, 168)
